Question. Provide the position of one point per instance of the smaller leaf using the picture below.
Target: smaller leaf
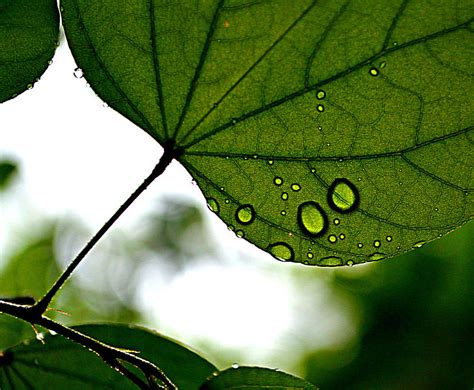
(244, 378)
(8, 170)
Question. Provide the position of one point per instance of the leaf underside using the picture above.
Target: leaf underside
(325, 132)
(62, 364)
(28, 38)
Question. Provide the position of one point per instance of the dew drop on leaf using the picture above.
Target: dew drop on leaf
(330, 260)
(377, 243)
(418, 244)
(377, 256)
(245, 214)
(342, 236)
(295, 187)
(310, 255)
(29, 86)
(389, 238)
(350, 263)
(360, 245)
(374, 71)
(240, 233)
(227, 201)
(284, 195)
(336, 221)
(270, 162)
(78, 73)
(283, 212)
(278, 181)
(213, 205)
(231, 228)
(320, 108)
(320, 94)
(343, 196)
(281, 251)
(332, 238)
(312, 219)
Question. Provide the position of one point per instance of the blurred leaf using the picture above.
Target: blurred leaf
(13, 331)
(28, 37)
(247, 378)
(62, 364)
(31, 270)
(316, 134)
(8, 170)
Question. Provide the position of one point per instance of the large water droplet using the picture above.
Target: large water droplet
(332, 239)
(312, 219)
(245, 214)
(281, 251)
(213, 205)
(343, 196)
(377, 256)
(78, 73)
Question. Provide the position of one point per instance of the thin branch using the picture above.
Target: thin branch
(111, 355)
(169, 154)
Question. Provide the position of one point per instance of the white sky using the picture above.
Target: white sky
(79, 158)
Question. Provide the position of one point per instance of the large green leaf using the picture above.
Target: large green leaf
(326, 132)
(62, 364)
(28, 39)
(247, 378)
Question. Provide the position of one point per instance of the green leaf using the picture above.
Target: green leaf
(246, 378)
(325, 132)
(61, 364)
(8, 170)
(28, 38)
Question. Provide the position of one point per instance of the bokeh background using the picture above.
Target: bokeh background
(67, 161)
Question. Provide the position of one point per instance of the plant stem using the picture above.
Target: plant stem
(168, 155)
(110, 355)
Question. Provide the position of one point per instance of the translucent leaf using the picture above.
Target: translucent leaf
(62, 364)
(28, 38)
(325, 132)
(246, 378)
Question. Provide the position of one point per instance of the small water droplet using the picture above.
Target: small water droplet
(39, 336)
(388, 238)
(320, 128)
(284, 195)
(213, 205)
(78, 73)
(419, 244)
(342, 236)
(29, 86)
(234, 121)
(240, 233)
(309, 255)
(395, 43)
(227, 201)
(320, 94)
(255, 156)
(283, 212)
(222, 188)
(245, 214)
(50, 62)
(336, 221)
(53, 333)
(313, 170)
(295, 187)
(320, 108)
(281, 251)
(360, 245)
(330, 261)
(312, 219)
(278, 181)
(270, 162)
(377, 243)
(350, 263)
(377, 256)
(230, 227)
(332, 238)
(374, 71)
(383, 64)
(343, 196)
(235, 366)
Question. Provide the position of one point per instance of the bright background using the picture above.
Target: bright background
(171, 265)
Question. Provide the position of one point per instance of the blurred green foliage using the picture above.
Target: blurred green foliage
(8, 170)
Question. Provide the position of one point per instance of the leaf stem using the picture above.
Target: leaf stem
(168, 155)
(111, 355)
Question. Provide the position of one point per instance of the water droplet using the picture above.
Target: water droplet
(235, 366)
(29, 86)
(395, 43)
(78, 73)
(53, 333)
(374, 71)
(227, 201)
(309, 255)
(383, 64)
(320, 94)
(281, 251)
(230, 227)
(222, 188)
(284, 195)
(320, 128)
(419, 244)
(313, 170)
(278, 181)
(360, 245)
(50, 62)
(312, 219)
(234, 121)
(332, 238)
(240, 233)
(320, 108)
(270, 162)
(255, 156)
(245, 214)
(349, 263)
(213, 205)
(40, 337)
(377, 243)
(283, 212)
(343, 196)
(359, 179)
(295, 187)
(342, 236)
(388, 238)
(377, 256)
(336, 221)
(330, 261)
